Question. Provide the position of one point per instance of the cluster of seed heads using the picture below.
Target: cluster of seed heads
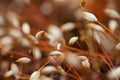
(51, 50)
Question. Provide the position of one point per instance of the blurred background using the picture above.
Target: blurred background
(40, 13)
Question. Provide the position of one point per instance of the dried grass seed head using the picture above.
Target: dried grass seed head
(114, 73)
(73, 40)
(68, 26)
(86, 64)
(61, 70)
(24, 42)
(56, 35)
(72, 59)
(37, 53)
(26, 28)
(55, 31)
(13, 19)
(112, 13)
(16, 33)
(59, 46)
(113, 24)
(8, 73)
(35, 76)
(48, 69)
(117, 46)
(39, 35)
(95, 27)
(23, 60)
(89, 16)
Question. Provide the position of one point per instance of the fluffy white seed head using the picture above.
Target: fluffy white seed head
(68, 26)
(6, 40)
(55, 53)
(112, 13)
(26, 28)
(48, 69)
(117, 46)
(97, 37)
(35, 76)
(6, 43)
(113, 24)
(13, 19)
(72, 60)
(89, 16)
(15, 32)
(86, 64)
(58, 46)
(39, 34)
(114, 73)
(8, 73)
(95, 27)
(73, 40)
(37, 53)
(61, 70)
(14, 70)
(23, 60)
(24, 42)
(31, 37)
(55, 31)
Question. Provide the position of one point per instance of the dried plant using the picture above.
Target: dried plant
(59, 40)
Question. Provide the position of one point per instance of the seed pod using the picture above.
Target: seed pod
(113, 25)
(48, 69)
(117, 46)
(86, 64)
(8, 74)
(55, 53)
(73, 40)
(112, 13)
(58, 46)
(114, 73)
(68, 26)
(23, 60)
(35, 76)
(61, 70)
(26, 28)
(37, 53)
(89, 16)
(39, 34)
(95, 27)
